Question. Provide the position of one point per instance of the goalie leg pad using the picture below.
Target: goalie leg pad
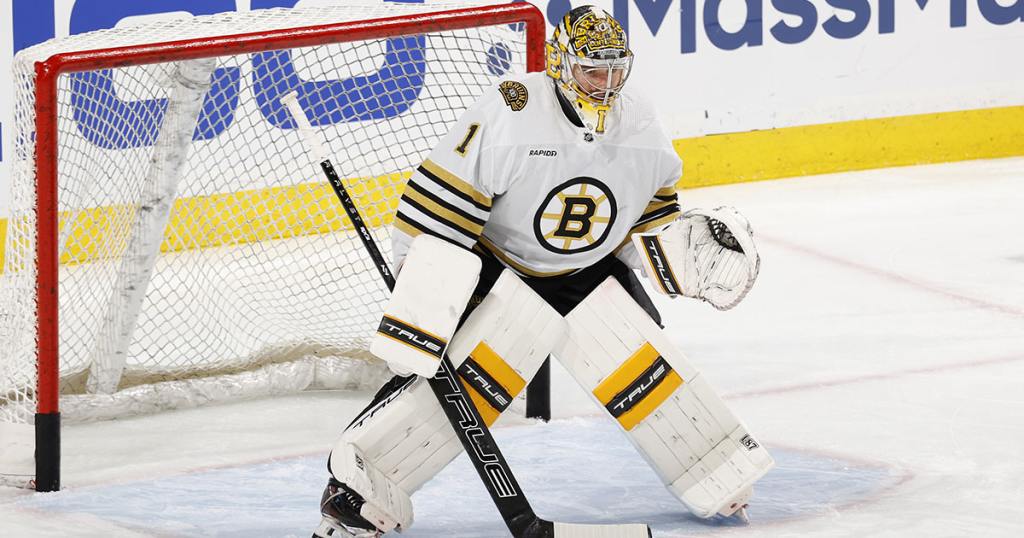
(386, 505)
(701, 451)
(497, 351)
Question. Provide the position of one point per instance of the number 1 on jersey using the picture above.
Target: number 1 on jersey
(461, 150)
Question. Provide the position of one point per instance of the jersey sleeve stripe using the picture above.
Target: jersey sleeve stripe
(412, 228)
(662, 209)
(652, 223)
(422, 195)
(440, 215)
(665, 192)
(457, 186)
(659, 204)
(647, 226)
(667, 197)
(443, 195)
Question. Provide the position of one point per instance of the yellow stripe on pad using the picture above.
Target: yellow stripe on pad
(501, 372)
(651, 402)
(497, 368)
(626, 374)
(488, 413)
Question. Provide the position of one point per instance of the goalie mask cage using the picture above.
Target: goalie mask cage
(170, 243)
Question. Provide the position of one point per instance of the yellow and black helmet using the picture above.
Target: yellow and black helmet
(588, 56)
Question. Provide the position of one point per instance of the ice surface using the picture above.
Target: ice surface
(585, 471)
(880, 357)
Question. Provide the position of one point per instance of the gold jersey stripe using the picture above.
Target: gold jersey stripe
(446, 215)
(406, 228)
(666, 191)
(640, 228)
(410, 227)
(456, 184)
(497, 368)
(495, 251)
(647, 226)
(656, 205)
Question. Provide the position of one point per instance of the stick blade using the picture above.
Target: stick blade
(573, 530)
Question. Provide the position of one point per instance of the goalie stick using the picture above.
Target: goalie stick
(464, 417)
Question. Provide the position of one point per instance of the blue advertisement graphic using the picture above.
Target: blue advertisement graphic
(110, 122)
(102, 117)
(385, 94)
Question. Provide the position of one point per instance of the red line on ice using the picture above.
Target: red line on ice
(811, 385)
(896, 277)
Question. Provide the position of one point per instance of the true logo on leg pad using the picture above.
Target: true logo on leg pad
(492, 384)
(636, 389)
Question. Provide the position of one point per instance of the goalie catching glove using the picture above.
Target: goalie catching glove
(707, 255)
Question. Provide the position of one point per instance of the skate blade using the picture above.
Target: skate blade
(332, 528)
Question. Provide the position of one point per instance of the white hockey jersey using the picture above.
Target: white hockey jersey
(520, 177)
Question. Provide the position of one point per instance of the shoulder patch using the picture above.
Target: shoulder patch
(515, 94)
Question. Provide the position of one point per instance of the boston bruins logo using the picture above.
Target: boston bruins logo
(515, 94)
(591, 34)
(576, 216)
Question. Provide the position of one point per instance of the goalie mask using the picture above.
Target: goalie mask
(588, 57)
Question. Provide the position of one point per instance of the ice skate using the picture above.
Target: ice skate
(340, 509)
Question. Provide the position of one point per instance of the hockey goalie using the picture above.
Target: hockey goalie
(522, 236)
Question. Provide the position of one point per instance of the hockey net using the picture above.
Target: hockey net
(201, 256)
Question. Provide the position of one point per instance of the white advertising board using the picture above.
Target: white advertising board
(711, 66)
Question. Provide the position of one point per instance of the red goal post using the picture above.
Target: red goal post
(48, 167)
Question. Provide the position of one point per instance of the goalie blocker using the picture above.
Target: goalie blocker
(436, 283)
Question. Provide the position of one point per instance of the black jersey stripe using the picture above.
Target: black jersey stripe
(444, 203)
(404, 222)
(454, 184)
(658, 213)
(658, 204)
(441, 213)
(651, 224)
(441, 219)
(667, 197)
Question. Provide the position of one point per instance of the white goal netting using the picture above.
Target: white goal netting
(251, 281)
